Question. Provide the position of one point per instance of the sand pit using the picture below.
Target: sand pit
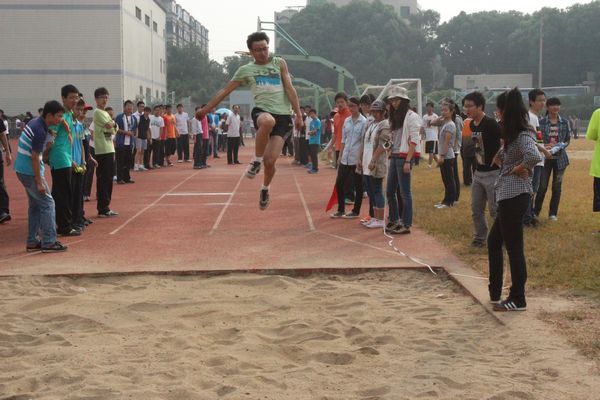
(393, 335)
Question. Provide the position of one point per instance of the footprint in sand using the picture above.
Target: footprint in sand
(374, 392)
(225, 390)
(334, 358)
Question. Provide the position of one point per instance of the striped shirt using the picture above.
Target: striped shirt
(32, 138)
(522, 151)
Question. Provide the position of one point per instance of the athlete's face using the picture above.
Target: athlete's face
(260, 51)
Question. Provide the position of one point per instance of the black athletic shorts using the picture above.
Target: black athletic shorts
(431, 147)
(283, 123)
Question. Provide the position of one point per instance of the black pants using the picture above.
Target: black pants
(550, 168)
(147, 153)
(344, 175)
(222, 142)
(456, 178)
(123, 158)
(596, 206)
(77, 181)
(303, 150)
(469, 165)
(447, 171)
(88, 178)
(508, 231)
(314, 156)
(201, 151)
(3, 191)
(288, 147)
(233, 146)
(104, 181)
(214, 143)
(183, 147)
(62, 193)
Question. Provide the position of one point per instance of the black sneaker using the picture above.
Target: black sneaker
(54, 248)
(510, 305)
(253, 169)
(4, 217)
(72, 232)
(350, 215)
(337, 214)
(31, 248)
(108, 214)
(477, 243)
(402, 230)
(264, 199)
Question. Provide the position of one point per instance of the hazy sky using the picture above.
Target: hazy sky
(230, 21)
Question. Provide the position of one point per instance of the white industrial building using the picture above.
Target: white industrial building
(118, 44)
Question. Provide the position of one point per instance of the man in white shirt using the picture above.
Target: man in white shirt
(183, 127)
(431, 132)
(233, 135)
(157, 127)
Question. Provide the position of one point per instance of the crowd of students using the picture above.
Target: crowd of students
(110, 147)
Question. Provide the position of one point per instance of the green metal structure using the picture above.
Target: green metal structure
(317, 91)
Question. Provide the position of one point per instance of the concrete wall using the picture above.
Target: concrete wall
(473, 82)
(47, 45)
(144, 51)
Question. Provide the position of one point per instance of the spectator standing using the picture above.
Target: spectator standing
(234, 127)
(513, 191)
(171, 134)
(593, 133)
(446, 157)
(104, 129)
(182, 120)
(352, 133)
(157, 128)
(29, 167)
(79, 160)
(431, 132)
(4, 199)
(126, 135)
(556, 134)
(314, 141)
(485, 134)
(60, 158)
(143, 140)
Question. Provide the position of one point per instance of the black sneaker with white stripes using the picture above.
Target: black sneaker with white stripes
(263, 203)
(510, 305)
(253, 169)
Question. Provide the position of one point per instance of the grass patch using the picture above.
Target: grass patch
(560, 255)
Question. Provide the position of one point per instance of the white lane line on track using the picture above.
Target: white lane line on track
(222, 213)
(198, 194)
(306, 210)
(359, 243)
(153, 203)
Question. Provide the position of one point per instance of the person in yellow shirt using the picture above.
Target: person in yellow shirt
(593, 133)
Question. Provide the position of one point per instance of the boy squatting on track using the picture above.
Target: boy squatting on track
(275, 96)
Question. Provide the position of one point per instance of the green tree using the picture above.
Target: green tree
(191, 73)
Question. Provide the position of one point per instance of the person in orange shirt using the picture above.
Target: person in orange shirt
(343, 112)
(171, 132)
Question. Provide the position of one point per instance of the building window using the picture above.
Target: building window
(141, 90)
(404, 11)
(138, 13)
(163, 96)
(170, 27)
(155, 26)
(147, 20)
(157, 95)
(161, 68)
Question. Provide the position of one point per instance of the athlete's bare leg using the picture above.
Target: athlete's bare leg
(265, 123)
(271, 154)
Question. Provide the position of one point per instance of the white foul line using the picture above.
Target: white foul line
(153, 204)
(220, 217)
(359, 243)
(306, 210)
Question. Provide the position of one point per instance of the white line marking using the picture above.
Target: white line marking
(153, 204)
(469, 276)
(220, 217)
(198, 194)
(360, 243)
(306, 210)
(36, 252)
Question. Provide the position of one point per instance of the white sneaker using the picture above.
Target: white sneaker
(142, 168)
(375, 224)
(442, 206)
(136, 168)
(179, 161)
(553, 218)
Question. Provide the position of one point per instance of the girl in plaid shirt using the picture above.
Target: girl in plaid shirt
(513, 193)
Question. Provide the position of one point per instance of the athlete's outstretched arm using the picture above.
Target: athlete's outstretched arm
(230, 87)
(291, 94)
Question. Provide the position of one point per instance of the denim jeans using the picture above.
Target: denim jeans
(447, 172)
(535, 183)
(550, 168)
(508, 231)
(374, 187)
(483, 193)
(41, 212)
(397, 177)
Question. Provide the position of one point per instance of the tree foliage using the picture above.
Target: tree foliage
(191, 73)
